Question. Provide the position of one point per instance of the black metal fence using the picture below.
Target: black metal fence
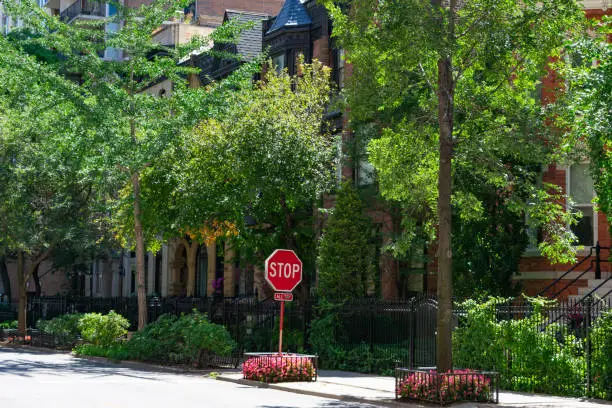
(372, 335)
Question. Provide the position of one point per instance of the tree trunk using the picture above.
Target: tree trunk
(21, 279)
(140, 255)
(36, 278)
(192, 251)
(445, 278)
(6, 282)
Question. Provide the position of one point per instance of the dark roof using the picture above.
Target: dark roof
(249, 43)
(293, 14)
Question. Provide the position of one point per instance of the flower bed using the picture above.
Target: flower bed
(274, 368)
(444, 388)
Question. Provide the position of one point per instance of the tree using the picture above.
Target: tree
(130, 127)
(261, 165)
(46, 197)
(346, 252)
(457, 79)
(585, 109)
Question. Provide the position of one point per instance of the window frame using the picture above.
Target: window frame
(579, 206)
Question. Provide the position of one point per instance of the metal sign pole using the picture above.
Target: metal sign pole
(280, 334)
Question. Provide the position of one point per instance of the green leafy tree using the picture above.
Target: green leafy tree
(346, 252)
(47, 193)
(584, 110)
(129, 128)
(453, 82)
(261, 165)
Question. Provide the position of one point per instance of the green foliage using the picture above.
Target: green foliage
(201, 337)
(65, 327)
(116, 351)
(158, 341)
(497, 53)
(530, 354)
(346, 252)
(584, 111)
(9, 325)
(103, 330)
(189, 339)
(601, 338)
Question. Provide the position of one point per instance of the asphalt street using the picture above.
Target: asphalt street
(49, 380)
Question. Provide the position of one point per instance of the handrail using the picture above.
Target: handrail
(594, 262)
(597, 287)
(566, 273)
(570, 283)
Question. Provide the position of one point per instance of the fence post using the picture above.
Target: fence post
(412, 332)
(588, 351)
(597, 261)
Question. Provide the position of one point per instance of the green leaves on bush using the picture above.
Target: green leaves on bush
(64, 328)
(9, 325)
(601, 340)
(94, 328)
(103, 330)
(189, 339)
(531, 353)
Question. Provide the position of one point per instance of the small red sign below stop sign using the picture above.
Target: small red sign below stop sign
(283, 270)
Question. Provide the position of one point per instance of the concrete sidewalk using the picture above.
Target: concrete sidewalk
(379, 391)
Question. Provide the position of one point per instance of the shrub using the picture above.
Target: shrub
(201, 338)
(9, 325)
(103, 330)
(189, 339)
(116, 351)
(460, 385)
(64, 328)
(275, 368)
(601, 338)
(346, 250)
(531, 354)
(158, 341)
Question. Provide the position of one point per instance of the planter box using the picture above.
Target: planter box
(275, 368)
(444, 388)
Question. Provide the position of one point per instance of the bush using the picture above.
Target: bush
(157, 342)
(530, 354)
(275, 368)
(64, 328)
(460, 385)
(201, 338)
(9, 325)
(117, 351)
(346, 251)
(103, 330)
(190, 339)
(601, 338)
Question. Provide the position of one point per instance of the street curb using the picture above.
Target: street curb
(346, 398)
(137, 365)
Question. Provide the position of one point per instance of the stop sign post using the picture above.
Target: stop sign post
(283, 273)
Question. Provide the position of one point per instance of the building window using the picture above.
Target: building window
(279, 62)
(340, 68)
(581, 192)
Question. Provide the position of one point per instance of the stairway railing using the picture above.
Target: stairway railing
(594, 263)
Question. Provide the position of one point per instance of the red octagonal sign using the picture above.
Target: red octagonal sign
(283, 270)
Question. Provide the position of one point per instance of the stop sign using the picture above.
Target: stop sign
(283, 270)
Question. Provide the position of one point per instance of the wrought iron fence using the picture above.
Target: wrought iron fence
(376, 335)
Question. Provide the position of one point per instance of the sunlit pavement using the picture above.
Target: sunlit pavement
(39, 379)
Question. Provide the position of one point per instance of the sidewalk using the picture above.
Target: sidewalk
(379, 391)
